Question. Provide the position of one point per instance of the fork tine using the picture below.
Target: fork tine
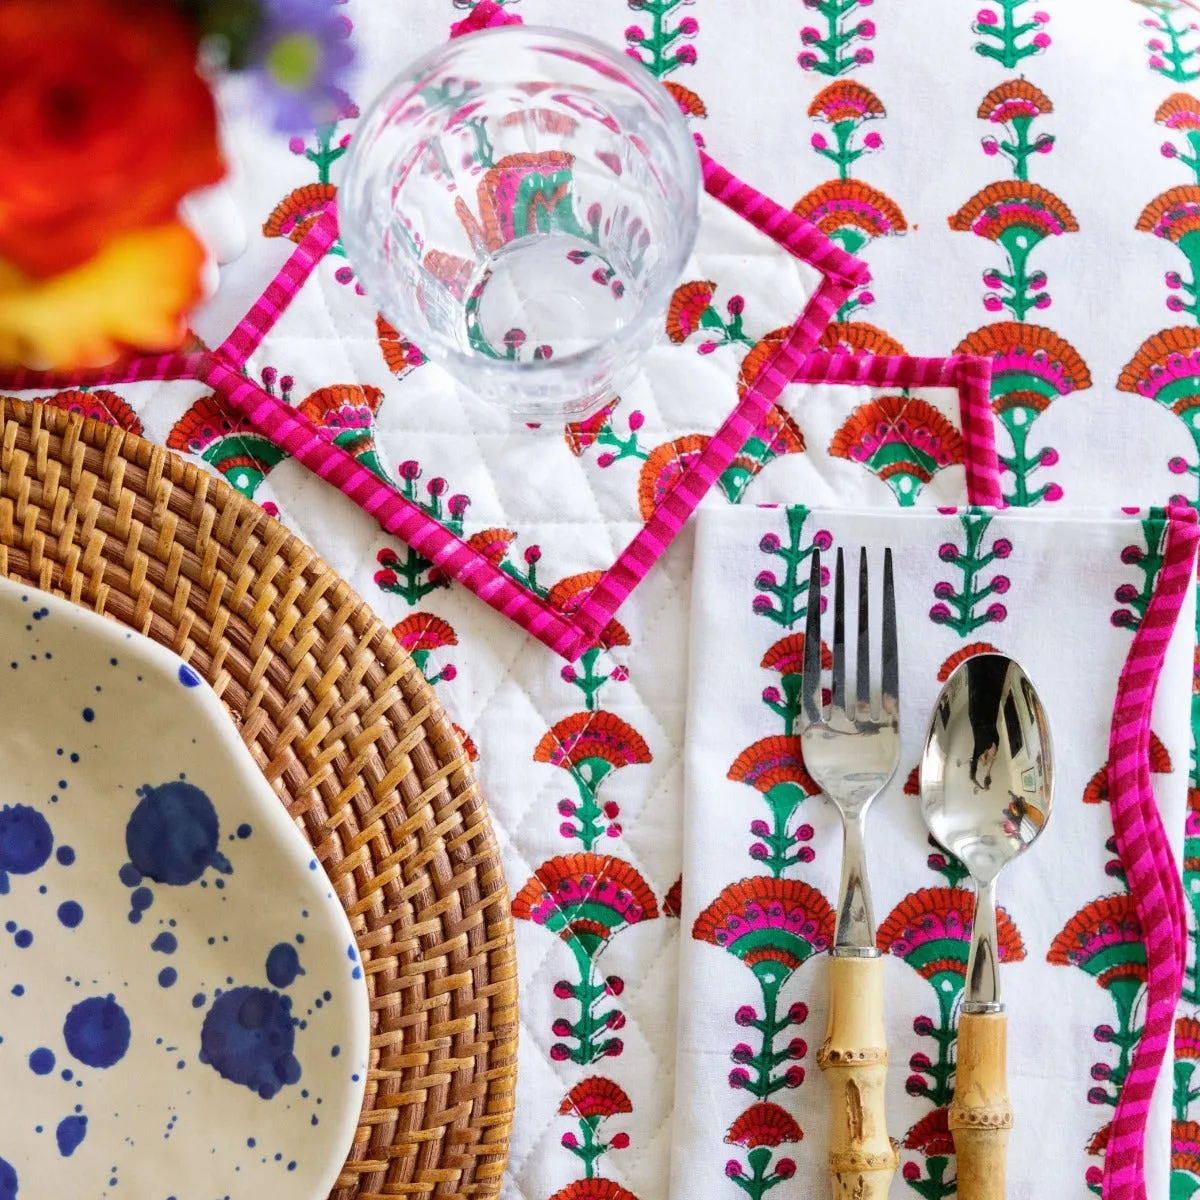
(891, 666)
(838, 682)
(810, 688)
(864, 633)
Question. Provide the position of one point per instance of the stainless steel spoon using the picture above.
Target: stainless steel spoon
(986, 790)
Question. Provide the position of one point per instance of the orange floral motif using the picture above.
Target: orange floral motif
(351, 406)
(850, 203)
(931, 1135)
(902, 439)
(845, 100)
(764, 1124)
(928, 927)
(689, 103)
(787, 656)
(1187, 1038)
(995, 209)
(595, 1097)
(1031, 365)
(858, 337)
(1014, 98)
(107, 126)
(585, 736)
(568, 596)
(573, 882)
(593, 1189)
(498, 216)
(97, 405)
(766, 920)
(398, 352)
(424, 631)
(1099, 1140)
(298, 211)
(1165, 363)
(467, 744)
(663, 468)
(493, 544)
(770, 762)
(1103, 938)
(1179, 111)
(960, 656)
(582, 434)
(689, 302)
(1185, 1148)
(1173, 215)
(673, 900)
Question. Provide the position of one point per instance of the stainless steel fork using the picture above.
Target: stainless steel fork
(852, 753)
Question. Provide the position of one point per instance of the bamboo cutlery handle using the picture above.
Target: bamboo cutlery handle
(980, 1116)
(854, 1057)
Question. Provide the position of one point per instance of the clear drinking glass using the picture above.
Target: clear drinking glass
(521, 203)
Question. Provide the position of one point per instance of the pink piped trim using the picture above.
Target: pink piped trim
(1145, 853)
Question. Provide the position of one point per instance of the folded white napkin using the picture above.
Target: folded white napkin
(762, 858)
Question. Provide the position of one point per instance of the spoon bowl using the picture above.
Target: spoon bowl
(987, 783)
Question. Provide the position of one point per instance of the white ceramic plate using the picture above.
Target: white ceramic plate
(182, 1011)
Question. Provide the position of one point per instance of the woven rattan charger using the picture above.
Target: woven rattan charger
(341, 721)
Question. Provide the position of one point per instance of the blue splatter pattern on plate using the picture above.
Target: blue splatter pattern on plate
(182, 1008)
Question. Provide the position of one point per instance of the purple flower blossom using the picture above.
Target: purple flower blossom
(985, 16)
(873, 141)
(686, 55)
(866, 29)
(635, 33)
(1048, 457)
(769, 543)
(864, 55)
(810, 36)
(298, 59)
(689, 27)
(991, 147)
(1041, 40)
(819, 142)
(1178, 466)
(1053, 495)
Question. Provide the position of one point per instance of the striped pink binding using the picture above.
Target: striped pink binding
(571, 635)
(1145, 853)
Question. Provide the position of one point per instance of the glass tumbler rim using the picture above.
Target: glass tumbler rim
(650, 88)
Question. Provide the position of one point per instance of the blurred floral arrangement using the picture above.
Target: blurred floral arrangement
(109, 122)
